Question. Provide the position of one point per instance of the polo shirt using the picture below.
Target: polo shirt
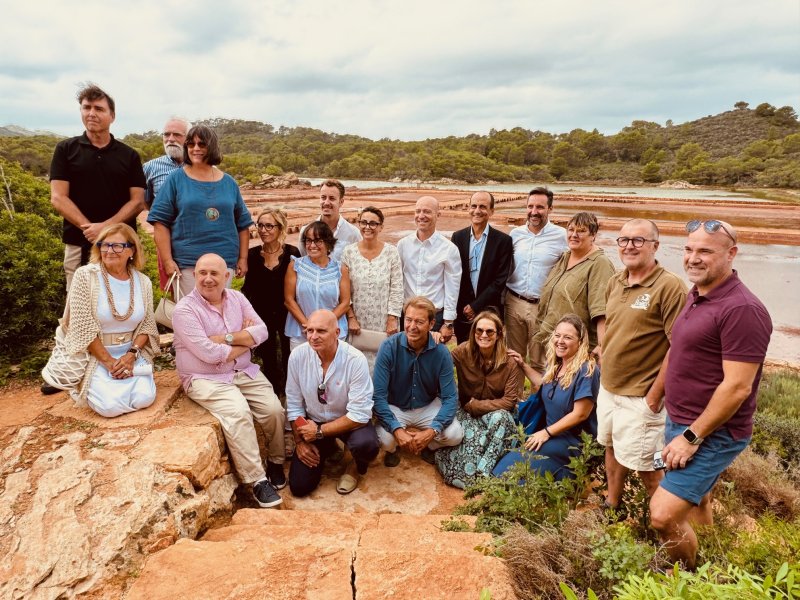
(156, 172)
(409, 380)
(729, 323)
(580, 290)
(639, 320)
(99, 180)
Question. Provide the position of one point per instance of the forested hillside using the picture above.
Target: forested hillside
(743, 146)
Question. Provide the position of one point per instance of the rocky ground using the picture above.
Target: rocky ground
(146, 506)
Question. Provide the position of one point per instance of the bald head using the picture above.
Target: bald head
(642, 225)
(426, 212)
(211, 260)
(211, 276)
(322, 333)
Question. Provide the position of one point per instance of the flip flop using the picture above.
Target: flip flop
(347, 483)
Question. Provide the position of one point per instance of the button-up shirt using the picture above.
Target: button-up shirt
(476, 249)
(195, 319)
(432, 269)
(534, 257)
(348, 387)
(345, 234)
(156, 172)
(409, 380)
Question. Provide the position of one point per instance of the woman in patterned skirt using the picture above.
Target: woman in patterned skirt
(487, 392)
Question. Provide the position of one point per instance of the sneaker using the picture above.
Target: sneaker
(429, 456)
(391, 459)
(275, 475)
(265, 494)
(48, 389)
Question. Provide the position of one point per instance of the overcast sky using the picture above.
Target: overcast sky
(406, 69)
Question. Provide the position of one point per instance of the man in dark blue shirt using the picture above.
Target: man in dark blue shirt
(415, 392)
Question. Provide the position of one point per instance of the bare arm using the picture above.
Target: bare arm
(244, 247)
(655, 395)
(601, 333)
(162, 235)
(59, 198)
(344, 293)
(289, 300)
(129, 210)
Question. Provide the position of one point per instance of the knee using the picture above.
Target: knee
(661, 518)
(301, 485)
(452, 434)
(365, 443)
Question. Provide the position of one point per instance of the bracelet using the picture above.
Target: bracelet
(548, 433)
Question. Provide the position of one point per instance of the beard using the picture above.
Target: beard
(174, 151)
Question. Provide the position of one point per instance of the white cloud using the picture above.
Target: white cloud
(406, 70)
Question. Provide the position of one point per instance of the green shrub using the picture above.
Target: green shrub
(778, 394)
(619, 554)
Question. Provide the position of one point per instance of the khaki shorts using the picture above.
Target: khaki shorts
(628, 425)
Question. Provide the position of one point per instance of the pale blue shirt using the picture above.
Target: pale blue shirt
(476, 250)
(348, 386)
(534, 257)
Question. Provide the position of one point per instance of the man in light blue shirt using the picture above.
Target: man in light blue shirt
(537, 246)
(415, 388)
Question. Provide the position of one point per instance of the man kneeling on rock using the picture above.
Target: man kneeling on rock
(215, 329)
(328, 397)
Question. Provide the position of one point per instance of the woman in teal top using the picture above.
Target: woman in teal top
(314, 282)
(199, 210)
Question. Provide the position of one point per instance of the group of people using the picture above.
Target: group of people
(631, 357)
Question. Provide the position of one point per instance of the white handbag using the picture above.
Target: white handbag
(367, 340)
(166, 306)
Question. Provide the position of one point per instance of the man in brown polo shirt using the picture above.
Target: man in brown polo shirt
(642, 302)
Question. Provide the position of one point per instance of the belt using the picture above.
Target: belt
(521, 297)
(113, 339)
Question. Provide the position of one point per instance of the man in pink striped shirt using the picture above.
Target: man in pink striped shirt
(215, 330)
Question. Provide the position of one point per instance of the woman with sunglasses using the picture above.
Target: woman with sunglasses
(110, 317)
(376, 280)
(198, 210)
(488, 382)
(266, 271)
(577, 284)
(562, 404)
(314, 282)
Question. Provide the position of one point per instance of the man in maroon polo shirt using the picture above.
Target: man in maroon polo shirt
(713, 368)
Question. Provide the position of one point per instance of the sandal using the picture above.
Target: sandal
(347, 483)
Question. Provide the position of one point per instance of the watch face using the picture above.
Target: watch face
(689, 435)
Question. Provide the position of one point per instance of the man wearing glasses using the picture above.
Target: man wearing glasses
(328, 397)
(486, 254)
(95, 180)
(415, 391)
(642, 302)
(331, 199)
(712, 370)
(157, 170)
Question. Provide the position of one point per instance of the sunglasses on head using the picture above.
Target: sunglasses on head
(710, 226)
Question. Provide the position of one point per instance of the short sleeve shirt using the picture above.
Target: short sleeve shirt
(639, 320)
(729, 323)
(100, 180)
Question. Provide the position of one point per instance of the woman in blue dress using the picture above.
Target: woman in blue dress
(562, 405)
(314, 282)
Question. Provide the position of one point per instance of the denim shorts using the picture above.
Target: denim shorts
(713, 456)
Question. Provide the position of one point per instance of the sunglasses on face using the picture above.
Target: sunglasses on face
(479, 331)
(710, 226)
(115, 247)
(323, 399)
(198, 144)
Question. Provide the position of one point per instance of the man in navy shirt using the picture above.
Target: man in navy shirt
(95, 180)
(415, 388)
(717, 349)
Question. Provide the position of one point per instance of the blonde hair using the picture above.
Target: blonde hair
(279, 215)
(137, 260)
(499, 352)
(580, 357)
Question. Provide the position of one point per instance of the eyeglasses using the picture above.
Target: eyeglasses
(198, 144)
(321, 396)
(265, 226)
(115, 247)
(711, 226)
(479, 331)
(175, 134)
(369, 224)
(637, 242)
(318, 242)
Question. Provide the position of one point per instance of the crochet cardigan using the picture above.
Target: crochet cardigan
(83, 327)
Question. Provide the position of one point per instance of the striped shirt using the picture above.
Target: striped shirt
(156, 172)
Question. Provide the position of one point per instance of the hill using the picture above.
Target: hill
(746, 147)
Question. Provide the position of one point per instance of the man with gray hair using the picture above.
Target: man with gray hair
(157, 170)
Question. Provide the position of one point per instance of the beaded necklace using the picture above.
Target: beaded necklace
(110, 294)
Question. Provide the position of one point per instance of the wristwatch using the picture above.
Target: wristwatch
(691, 437)
(134, 349)
(448, 325)
(319, 435)
(229, 339)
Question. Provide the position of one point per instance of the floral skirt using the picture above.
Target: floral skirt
(485, 441)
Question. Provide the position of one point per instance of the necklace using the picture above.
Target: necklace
(265, 251)
(114, 312)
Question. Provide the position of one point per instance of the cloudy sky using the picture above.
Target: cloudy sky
(405, 69)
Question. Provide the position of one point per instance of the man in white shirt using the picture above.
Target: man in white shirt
(328, 396)
(431, 266)
(331, 199)
(537, 246)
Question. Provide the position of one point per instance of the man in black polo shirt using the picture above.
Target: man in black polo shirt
(94, 180)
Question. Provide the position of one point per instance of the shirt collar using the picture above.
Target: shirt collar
(404, 343)
(722, 290)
